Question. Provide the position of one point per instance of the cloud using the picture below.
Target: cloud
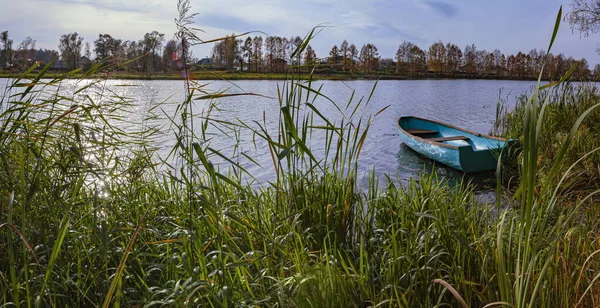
(123, 6)
(508, 24)
(446, 9)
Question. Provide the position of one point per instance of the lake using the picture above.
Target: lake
(469, 104)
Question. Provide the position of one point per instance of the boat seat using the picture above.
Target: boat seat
(448, 138)
(421, 131)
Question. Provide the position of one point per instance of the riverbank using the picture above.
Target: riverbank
(236, 75)
(88, 216)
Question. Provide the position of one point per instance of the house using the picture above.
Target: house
(205, 63)
(59, 65)
(279, 65)
(85, 63)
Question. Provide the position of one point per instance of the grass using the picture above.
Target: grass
(88, 217)
(565, 104)
(206, 74)
(216, 74)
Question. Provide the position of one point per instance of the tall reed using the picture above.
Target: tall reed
(90, 217)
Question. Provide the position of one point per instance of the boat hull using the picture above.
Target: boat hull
(457, 148)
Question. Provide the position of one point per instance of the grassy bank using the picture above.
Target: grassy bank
(303, 74)
(206, 75)
(87, 218)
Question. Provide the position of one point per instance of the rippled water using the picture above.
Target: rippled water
(470, 104)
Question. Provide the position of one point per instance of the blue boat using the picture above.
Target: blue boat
(455, 147)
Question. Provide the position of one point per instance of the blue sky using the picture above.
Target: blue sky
(509, 25)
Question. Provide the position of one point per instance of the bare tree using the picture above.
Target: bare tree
(270, 52)
(403, 57)
(6, 55)
(25, 53)
(257, 45)
(596, 73)
(247, 52)
(585, 17)
(87, 52)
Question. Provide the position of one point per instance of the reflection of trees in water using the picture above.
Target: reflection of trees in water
(412, 164)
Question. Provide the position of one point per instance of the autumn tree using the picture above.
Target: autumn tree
(417, 61)
(470, 59)
(453, 58)
(70, 49)
(352, 55)
(518, 65)
(489, 61)
(225, 52)
(233, 51)
(582, 70)
(437, 57)
(334, 53)
(499, 62)
(403, 57)
(510, 66)
(536, 58)
(344, 52)
(369, 58)
(502, 65)
(310, 57)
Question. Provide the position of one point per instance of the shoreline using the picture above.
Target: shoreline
(225, 75)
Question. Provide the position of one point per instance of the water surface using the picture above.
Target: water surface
(469, 104)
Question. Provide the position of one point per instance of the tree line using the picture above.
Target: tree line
(274, 54)
(153, 53)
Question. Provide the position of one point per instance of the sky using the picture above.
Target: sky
(508, 25)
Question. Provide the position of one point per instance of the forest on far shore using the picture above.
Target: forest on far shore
(274, 54)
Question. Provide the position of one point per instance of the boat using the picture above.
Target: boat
(455, 147)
